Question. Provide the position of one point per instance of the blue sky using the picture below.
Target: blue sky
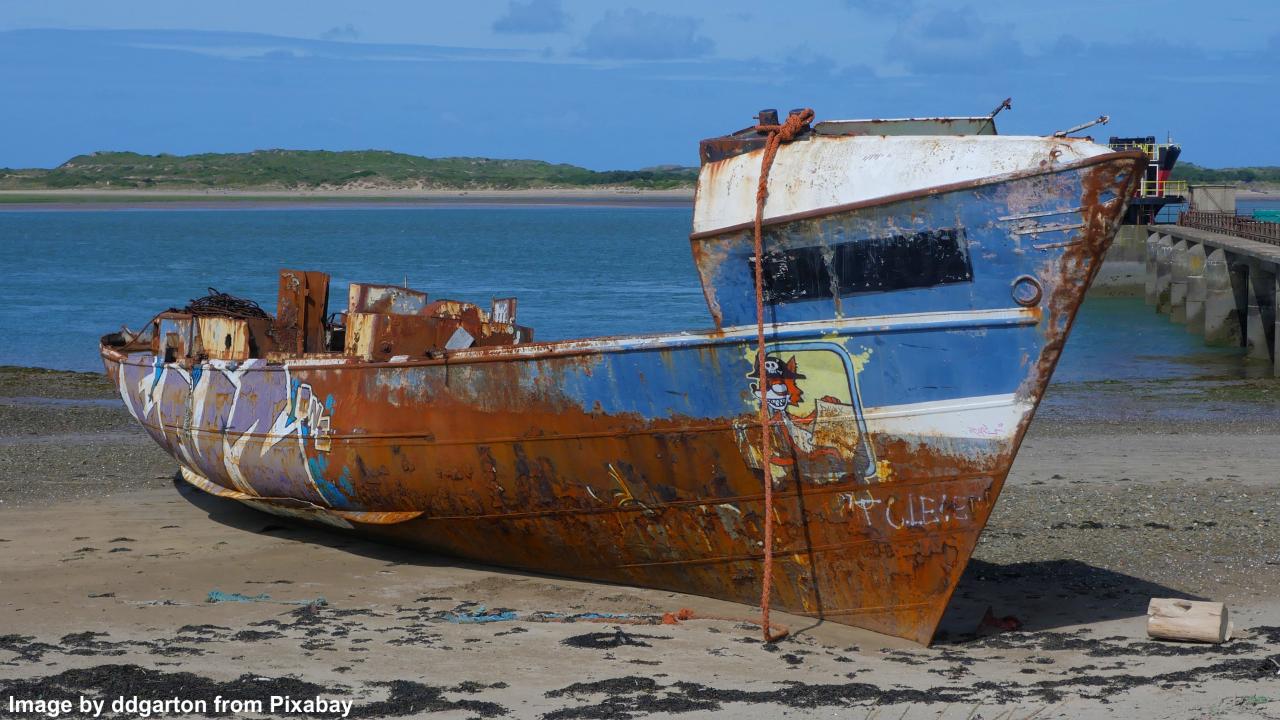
(617, 84)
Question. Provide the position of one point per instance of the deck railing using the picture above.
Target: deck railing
(1231, 224)
(1151, 149)
(1162, 188)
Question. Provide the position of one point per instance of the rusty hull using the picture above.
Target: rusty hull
(630, 459)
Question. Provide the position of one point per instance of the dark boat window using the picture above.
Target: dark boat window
(897, 262)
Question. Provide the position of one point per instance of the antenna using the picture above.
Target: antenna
(1006, 104)
(1101, 120)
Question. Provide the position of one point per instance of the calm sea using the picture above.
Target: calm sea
(68, 277)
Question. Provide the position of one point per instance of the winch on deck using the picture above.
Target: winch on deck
(381, 323)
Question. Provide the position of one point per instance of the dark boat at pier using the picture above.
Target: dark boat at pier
(1156, 189)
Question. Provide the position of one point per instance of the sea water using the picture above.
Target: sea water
(68, 277)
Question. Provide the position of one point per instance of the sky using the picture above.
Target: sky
(618, 85)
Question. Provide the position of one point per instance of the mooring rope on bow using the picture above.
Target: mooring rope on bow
(778, 134)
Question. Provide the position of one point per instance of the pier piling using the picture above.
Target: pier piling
(1178, 282)
(1260, 332)
(1221, 318)
(1164, 272)
(1221, 285)
(1149, 280)
(1196, 289)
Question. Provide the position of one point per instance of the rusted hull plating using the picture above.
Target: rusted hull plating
(634, 460)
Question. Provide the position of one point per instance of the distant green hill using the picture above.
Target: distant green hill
(313, 169)
(1192, 173)
(380, 169)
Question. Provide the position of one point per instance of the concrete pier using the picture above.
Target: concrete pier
(1220, 286)
(1196, 289)
(1179, 269)
(1164, 273)
(1222, 327)
(1149, 280)
(1261, 328)
(1124, 271)
(1148, 285)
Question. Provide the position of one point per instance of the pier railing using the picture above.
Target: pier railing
(1231, 224)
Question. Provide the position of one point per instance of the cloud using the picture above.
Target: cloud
(533, 17)
(882, 8)
(643, 35)
(954, 41)
(249, 46)
(341, 32)
(1068, 46)
(138, 83)
(803, 61)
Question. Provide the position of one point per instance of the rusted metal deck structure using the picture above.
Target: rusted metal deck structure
(919, 281)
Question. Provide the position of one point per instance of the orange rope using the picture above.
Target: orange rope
(684, 614)
(778, 134)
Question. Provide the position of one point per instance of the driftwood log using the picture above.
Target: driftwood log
(1188, 620)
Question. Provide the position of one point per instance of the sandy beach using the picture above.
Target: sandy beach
(1269, 195)
(117, 581)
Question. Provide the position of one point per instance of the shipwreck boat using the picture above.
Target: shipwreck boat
(920, 278)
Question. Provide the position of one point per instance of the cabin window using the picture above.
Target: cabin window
(897, 262)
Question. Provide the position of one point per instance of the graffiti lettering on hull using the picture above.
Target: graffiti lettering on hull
(912, 510)
(304, 415)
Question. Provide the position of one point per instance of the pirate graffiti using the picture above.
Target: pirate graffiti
(815, 429)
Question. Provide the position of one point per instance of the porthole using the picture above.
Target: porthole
(1026, 291)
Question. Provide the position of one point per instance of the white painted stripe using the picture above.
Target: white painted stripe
(312, 362)
(778, 332)
(1046, 213)
(1037, 229)
(888, 323)
(827, 171)
(988, 417)
(940, 406)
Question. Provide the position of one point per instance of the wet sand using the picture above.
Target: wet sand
(1120, 494)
